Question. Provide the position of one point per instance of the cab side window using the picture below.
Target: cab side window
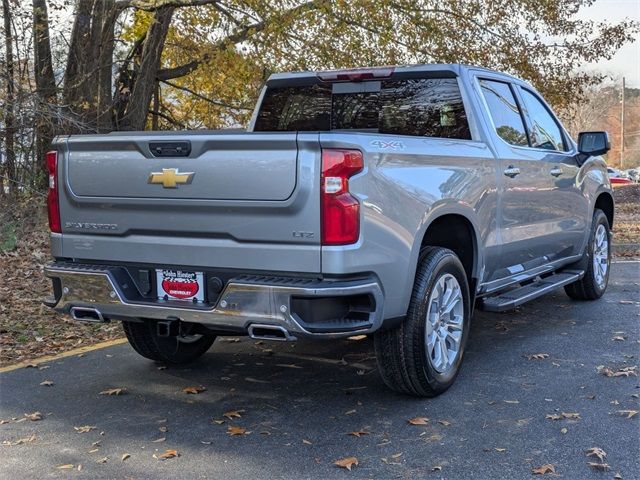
(545, 132)
(505, 113)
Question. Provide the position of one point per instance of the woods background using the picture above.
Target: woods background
(102, 65)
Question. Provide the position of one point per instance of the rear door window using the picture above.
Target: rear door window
(545, 132)
(418, 107)
(505, 113)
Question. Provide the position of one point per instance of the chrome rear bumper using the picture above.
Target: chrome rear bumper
(245, 300)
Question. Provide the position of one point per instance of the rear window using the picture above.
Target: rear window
(417, 107)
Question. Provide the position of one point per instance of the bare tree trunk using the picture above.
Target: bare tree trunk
(45, 87)
(137, 108)
(105, 67)
(156, 106)
(9, 117)
(77, 59)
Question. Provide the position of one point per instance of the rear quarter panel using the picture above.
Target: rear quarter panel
(407, 183)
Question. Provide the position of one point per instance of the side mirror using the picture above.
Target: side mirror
(592, 144)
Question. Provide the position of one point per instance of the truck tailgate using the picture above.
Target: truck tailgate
(225, 167)
(238, 200)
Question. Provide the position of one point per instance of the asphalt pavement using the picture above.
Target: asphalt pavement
(298, 402)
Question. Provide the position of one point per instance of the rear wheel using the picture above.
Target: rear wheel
(178, 349)
(422, 356)
(596, 262)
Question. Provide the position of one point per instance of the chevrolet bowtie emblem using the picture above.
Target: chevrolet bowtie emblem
(170, 177)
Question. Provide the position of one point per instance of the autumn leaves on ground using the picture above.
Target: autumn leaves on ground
(29, 330)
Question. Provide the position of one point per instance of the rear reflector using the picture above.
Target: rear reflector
(356, 74)
(340, 210)
(53, 204)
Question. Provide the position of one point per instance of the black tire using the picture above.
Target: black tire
(403, 361)
(588, 288)
(144, 339)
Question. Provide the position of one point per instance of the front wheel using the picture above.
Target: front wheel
(422, 356)
(596, 262)
(179, 349)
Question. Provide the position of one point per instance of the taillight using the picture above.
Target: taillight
(340, 210)
(53, 204)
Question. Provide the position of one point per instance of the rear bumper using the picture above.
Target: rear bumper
(300, 307)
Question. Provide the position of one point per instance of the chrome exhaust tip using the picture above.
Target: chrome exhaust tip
(86, 314)
(259, 331)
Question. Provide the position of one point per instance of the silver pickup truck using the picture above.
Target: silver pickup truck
(385, 201)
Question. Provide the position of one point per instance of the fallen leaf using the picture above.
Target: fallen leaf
(67, 466)
(159, 440)
(396, 455)
(84, 429)
(162, 367)
(231, 430)
(437, 468)
(93, 450)
(357, 337)
(626, 302)
(103, 460)
(622, 372)
(113, 391)
(596, 452)
(444, 423)
(571, 416)
(599, 466)
(288, 365)
(125, 456)
(163, 429)
(544, 469)
(168, 454)
(618, 338)
(568, 416)
(500, 450)
(538, 356)
(217, 421)
(617, 476)
(20, 441)
(307, 442)
(35, 416)
(206, 442)
(627, 413)
(563, 431)
(350, 412)
(193, 390)
(347, 462)
(231, 414)
(419, 421)
(358, 433)
(47, 383)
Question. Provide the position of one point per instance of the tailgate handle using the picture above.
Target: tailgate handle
(170, 149)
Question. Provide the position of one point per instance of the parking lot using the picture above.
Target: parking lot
(534, 390)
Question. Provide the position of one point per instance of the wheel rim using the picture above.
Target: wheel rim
(445, 321)
(600, 256)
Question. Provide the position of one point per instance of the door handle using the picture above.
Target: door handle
(556, 171)
(512, 171)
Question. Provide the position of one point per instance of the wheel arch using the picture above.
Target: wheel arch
(461, 236)
(604, 201)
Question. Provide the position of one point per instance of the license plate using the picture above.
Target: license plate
(180, 285)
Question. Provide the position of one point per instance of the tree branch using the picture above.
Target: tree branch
(206, 99)
(240, 35)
